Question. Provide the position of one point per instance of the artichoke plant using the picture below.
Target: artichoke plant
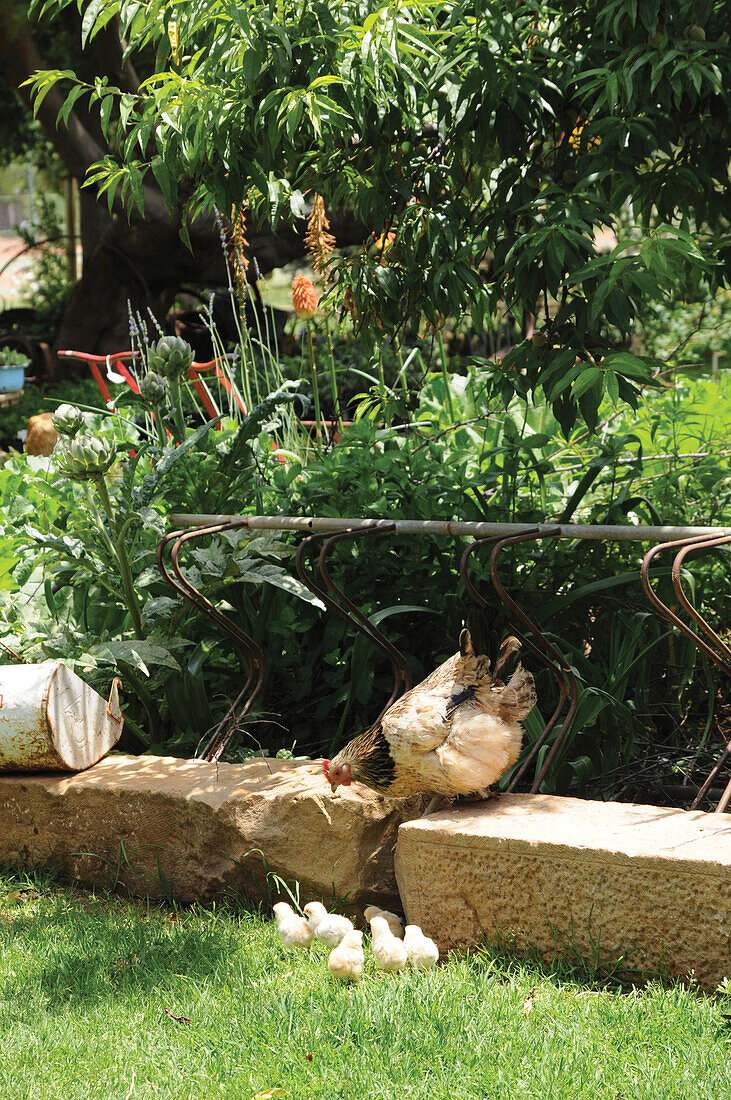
(154, 388)
(68, 420)
(170, 356)
(84, 458)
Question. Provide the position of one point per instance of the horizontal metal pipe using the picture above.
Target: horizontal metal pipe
(596, 531)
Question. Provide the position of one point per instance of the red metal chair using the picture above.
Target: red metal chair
(116, 362)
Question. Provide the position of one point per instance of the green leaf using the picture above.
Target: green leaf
(140, 654)
(589, 376)
(262, 412)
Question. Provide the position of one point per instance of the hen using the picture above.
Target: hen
(453, 734)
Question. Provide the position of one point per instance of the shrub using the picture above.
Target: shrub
(642, 686)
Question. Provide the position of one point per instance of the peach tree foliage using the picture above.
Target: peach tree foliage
(493, 138)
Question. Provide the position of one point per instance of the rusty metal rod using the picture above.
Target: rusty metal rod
(561, 669)
(401, 671)
(598, 531)
(346, 609)
(223, 732)
(698, 542)
(528, 645)
(718, 657)
(680, 557)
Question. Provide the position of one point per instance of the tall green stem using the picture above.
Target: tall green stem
(337, 414)
(381, 375)
(176, 389)
(315, 386)
(400, 363)
(162, 439)
(445, 376)
(125, 571)
(145, 697)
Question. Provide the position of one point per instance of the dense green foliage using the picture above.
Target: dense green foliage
(642, 687)
(141, 1001)
(494, 140)
(14, 418)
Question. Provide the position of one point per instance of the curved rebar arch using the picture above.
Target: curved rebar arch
(720, 659)
(480, 600)
(337, 601)
(401, 671)
(683, 545)
(243, 702)
(548, 654)
(711, 544)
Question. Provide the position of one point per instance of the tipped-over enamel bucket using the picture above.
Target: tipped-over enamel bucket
(51, 720)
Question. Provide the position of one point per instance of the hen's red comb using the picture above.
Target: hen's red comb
(326, 767)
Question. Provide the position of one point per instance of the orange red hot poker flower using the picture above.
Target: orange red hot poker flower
(304, 295)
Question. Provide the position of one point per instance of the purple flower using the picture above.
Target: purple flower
(133, 330)
(221, 228)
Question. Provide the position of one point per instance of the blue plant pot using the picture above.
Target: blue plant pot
(12, 378)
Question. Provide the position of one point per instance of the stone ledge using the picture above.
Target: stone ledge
(561, 874)
(187, 829)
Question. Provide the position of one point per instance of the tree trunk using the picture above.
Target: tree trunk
(146, 264)
(143, 260)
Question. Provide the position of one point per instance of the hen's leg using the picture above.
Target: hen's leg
(435, 804)
(478, 796)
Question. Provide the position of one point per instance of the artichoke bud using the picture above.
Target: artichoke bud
(68, 420)
(154, 388)
(170, 356)
(84, 457)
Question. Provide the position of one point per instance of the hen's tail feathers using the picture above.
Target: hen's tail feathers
(483, 633)
(508, 659)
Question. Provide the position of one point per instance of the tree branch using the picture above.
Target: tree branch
(76, 146)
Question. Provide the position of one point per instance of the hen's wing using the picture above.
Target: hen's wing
(421, 719)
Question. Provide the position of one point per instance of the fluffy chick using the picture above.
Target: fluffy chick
(345, 961)
(389, 953)
(295, 931)
(328, 927)
(395, 923)
(423, 953)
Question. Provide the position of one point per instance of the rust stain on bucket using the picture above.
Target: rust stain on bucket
(51, 720)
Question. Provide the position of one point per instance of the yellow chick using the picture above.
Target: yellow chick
(389, 953)
(328, 927)
(423, 953)
(295, 931)
(395, 924)
(345, 961)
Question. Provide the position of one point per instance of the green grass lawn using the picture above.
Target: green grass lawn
(91, 987)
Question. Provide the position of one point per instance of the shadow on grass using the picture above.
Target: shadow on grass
(90, 947)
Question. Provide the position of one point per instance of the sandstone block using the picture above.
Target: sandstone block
(649, 885)
(193, 830)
